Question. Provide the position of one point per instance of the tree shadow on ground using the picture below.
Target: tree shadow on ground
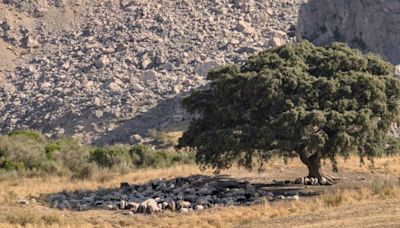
(209, 191)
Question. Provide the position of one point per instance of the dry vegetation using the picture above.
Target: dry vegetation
(346, 204)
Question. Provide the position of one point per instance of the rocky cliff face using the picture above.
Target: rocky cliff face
(371, 25)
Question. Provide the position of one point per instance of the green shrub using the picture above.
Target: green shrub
(10, 165)
(19, 148)
(144, 157)
(183, 158)
(32, 134)
(87, 171)
(108, 157)
(51, 148)
(161, 137)
(71, 155)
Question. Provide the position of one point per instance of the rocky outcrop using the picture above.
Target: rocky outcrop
(370, 25)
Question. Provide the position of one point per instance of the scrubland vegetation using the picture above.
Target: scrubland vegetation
(29, 153)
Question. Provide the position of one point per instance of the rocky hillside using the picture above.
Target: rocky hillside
(371, 25)
(104, 70)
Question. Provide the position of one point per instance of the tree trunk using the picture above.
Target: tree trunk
(314, 167)
(313, 164)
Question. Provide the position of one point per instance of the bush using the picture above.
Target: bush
(10, 165)
(32, 134)
(28, 153)
(86, 171)
(108, 157)
(71, 155)
(22, 149)
(144, 157)
(51, 148)
(161, 138)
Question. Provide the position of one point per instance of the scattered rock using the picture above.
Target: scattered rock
(245, 28)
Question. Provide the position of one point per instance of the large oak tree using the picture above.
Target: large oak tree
(297, 100)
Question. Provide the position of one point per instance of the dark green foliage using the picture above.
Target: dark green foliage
(294, 100)
(108, 157)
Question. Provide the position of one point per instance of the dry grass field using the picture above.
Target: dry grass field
(365, 197)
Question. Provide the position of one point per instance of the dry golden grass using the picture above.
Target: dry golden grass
(338, 203)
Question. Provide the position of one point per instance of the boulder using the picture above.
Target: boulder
(150, 75)
(245, 27)
(206, 67)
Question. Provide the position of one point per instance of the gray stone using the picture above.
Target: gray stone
(135, 139)
(206, 67)
(245, 27)
(148, 76)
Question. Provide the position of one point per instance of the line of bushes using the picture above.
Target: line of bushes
(30, 152)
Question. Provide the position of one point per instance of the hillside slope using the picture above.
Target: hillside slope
(103, 70)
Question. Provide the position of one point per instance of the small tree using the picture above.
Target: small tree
(296, 100)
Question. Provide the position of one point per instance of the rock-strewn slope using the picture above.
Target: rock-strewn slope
(119, 67)
(371, 25)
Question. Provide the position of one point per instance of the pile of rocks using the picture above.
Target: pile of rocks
(123, 58)
(35, 8)
(180, 194)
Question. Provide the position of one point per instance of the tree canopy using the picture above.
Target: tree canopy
(297, 100)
